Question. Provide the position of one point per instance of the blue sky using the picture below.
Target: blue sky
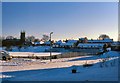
(67, 20)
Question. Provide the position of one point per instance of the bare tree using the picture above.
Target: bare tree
(45, 38)
(30, 38)
(9, 37)
(104, 36)
(36, 40)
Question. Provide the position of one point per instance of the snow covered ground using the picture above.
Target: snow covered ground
(20, 69)
(28, 49)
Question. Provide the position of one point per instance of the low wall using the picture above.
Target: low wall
(71, 54)
(46, 57)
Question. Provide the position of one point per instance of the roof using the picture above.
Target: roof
(36, 43)
(89, 45)
(100, 41)
(72, 41)
(47, 42)
(69, 43)
(59, 42)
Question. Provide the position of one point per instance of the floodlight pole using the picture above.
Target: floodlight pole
(50, 47)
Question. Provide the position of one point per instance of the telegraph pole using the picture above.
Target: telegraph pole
(50, 47)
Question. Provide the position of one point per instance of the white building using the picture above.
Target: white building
(101, 41)
(87, 45)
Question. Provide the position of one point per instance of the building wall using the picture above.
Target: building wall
(22, 36)
(14, 42)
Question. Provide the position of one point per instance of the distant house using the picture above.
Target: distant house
(89, 46)
(101, 41)
(69, 43)
(47, 43)
(58, 43)
(83, 40)
(72, 41)
(64, 44)
(38, 43)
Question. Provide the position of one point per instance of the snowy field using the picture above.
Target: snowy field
(20, 69)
